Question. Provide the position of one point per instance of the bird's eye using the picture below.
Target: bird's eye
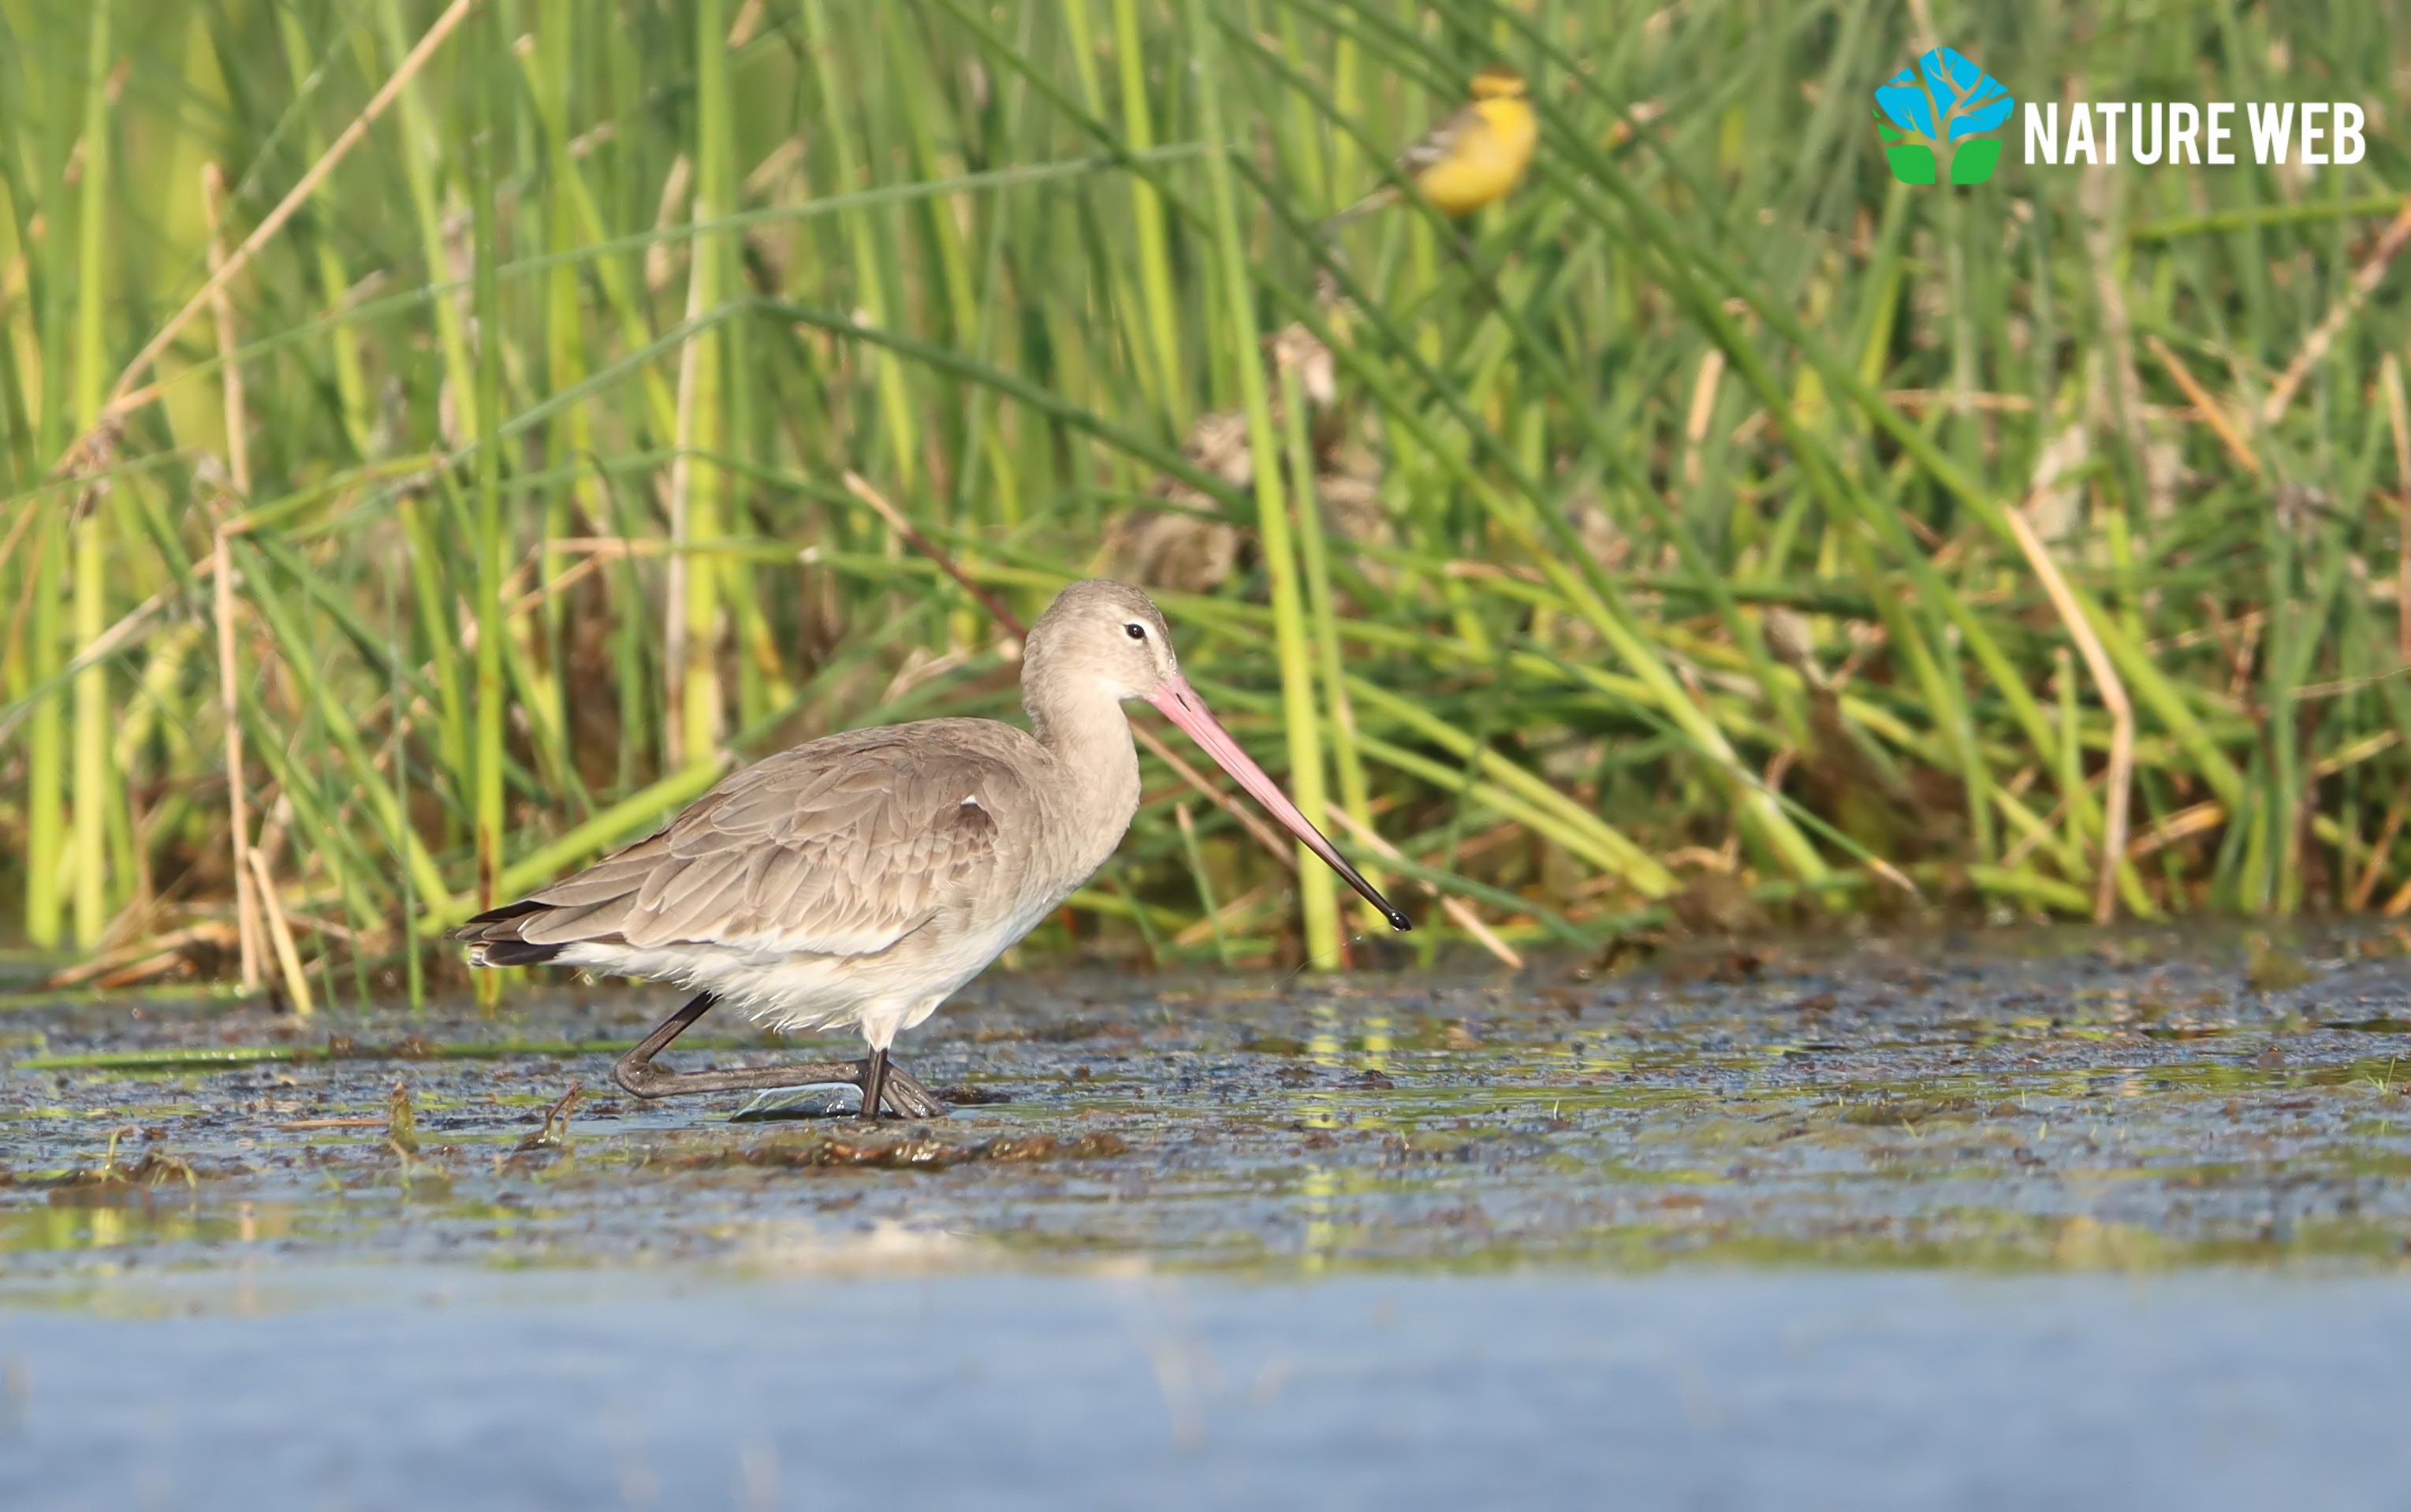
(1137, 633)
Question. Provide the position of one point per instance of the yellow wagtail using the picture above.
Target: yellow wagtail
(1471, 158)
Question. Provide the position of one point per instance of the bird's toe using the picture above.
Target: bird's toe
(905, 1097)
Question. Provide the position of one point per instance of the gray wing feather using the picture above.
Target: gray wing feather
(842, 847)
(1436, 143)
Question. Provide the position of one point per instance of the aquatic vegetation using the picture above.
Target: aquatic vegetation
(1714, 531)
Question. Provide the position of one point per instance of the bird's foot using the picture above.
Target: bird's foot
(902, 1095)
(906, 1098)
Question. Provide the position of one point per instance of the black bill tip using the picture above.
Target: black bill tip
(1388, 910)
(1366, 889)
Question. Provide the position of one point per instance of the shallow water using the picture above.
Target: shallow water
(1716, 1390)
(2001, 1220)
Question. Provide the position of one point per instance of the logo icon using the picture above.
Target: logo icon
(1932, 116)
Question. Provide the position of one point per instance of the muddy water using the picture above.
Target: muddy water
(1994, 1220)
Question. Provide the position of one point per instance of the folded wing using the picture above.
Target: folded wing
(841, 846)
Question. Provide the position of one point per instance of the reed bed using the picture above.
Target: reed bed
(437, 439)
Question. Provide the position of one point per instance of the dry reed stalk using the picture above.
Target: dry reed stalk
(1703, 408)
(238, 816)
(2096, 194)
(289, 958)
(222, 314)
(675, 647)
(25, 520)
(121, 395)
(1227, 916)
(2212, 411)
(2043, 832)
(246, 906)
(144, 960)
(2376, 868)
(1978, 402)
(131, 629)
(857, 484)
(2315, 345)
(1456, 907)
(2390, 378)
(2182, 824)
(2114, 698)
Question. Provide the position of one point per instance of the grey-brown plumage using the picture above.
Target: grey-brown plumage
(860, 878)
(843, 846)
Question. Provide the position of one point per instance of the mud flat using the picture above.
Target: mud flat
(1994, 1220)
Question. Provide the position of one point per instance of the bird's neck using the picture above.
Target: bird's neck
(1097, 766)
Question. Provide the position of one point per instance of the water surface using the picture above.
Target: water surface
(1995, 1221)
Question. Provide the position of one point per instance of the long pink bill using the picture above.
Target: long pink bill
(1182, 706)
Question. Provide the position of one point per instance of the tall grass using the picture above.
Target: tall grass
(1714, 528)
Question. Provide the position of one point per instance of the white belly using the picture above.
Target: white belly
(880, 995)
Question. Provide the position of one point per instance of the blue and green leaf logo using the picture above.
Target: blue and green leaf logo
(1932, 116)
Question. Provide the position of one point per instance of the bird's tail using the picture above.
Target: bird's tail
(494, 937)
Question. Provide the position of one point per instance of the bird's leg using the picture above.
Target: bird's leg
(637, 1072)
(874, 1081)
(890, 1087)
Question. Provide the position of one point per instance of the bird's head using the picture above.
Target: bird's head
(1498, 82)
(1101, 636)
(1109, 640)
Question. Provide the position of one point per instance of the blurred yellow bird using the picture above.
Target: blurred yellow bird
(1471, 158)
